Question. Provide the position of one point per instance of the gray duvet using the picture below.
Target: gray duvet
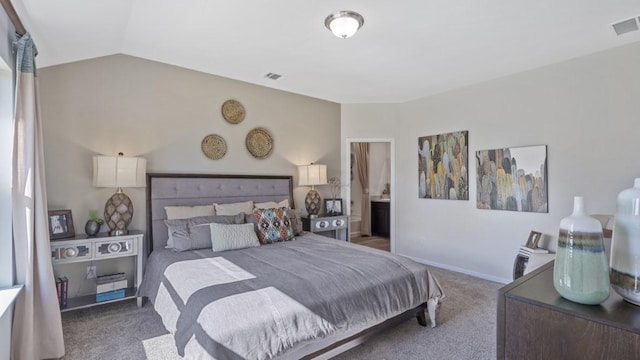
(260, 303)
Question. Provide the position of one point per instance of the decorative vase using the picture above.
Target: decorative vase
(92, 228)
(625, 245)
(581, 273)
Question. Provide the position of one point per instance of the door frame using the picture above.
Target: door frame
(392, 182)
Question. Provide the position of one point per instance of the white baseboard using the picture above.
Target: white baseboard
(460, 270)
(355, 234)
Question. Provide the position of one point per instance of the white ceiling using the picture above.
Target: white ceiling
(406, 49)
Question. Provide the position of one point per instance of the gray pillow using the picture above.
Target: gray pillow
(296, 222)
(232, 237)
(251, 219)
(195, 233)
(177, 228)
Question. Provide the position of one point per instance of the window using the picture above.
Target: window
(6, 156)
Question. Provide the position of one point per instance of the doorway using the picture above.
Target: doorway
(379, 228)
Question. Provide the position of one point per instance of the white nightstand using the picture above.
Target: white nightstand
(71, 257)
(336, 227)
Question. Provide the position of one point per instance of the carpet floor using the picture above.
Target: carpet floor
(466, 329)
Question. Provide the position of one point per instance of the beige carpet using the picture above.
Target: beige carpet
(466, 329)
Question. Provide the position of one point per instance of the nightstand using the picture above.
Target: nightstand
(72, 258)
(336, 227)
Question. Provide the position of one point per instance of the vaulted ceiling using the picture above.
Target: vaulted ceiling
(406, 49)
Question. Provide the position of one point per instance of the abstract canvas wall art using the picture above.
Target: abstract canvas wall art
(443, 161)
(513, 179)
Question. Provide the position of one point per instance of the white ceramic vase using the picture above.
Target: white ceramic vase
(625, 245)
(581, 273)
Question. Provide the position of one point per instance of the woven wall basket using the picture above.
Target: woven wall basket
(233, 111)
(259, 143)
(214, 146)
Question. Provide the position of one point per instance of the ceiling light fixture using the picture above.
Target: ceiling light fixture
(344, 24)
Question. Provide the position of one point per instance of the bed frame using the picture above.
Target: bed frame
(165, 189)
(206, 189)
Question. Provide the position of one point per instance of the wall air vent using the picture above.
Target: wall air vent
(273, 76)
(625, 26)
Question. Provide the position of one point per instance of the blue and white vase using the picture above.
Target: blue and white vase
(581, 273)
(625, 245)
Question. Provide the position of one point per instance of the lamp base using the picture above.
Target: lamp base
(118, 232)
(118, 212)
(312, 203)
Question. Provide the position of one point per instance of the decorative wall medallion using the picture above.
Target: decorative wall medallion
(259, 143)
(233, 111)
(214, 146)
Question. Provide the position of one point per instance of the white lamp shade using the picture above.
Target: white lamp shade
(310, 175)
(119, 171)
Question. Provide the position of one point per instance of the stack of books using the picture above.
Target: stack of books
(526, 251)
(110, 287)
(62, 286)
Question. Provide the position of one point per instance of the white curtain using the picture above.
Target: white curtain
(37, 325)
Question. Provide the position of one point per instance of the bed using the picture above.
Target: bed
(311, 297)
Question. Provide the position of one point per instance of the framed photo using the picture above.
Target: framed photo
(60, 224)
(333, 207)
(534, 238)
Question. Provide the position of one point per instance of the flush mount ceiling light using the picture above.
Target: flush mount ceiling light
(344, 24)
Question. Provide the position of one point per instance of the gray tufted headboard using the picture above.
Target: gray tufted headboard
(204, 189)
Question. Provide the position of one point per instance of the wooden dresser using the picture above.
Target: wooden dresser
(535, 322)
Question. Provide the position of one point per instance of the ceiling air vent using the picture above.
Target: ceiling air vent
(273, 76)
(625, 26)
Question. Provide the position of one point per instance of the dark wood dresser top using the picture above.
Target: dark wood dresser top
(537, 289)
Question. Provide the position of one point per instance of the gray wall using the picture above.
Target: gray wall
(585, 111)
(162, 113)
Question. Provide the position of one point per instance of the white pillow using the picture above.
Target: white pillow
(234, 208)
(231, 237)
(186, 212)
(272, 204)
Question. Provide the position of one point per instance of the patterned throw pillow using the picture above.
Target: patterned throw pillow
(273, 225)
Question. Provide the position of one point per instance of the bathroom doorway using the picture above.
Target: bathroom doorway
(371, 209)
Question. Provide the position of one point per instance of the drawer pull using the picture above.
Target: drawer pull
(115, 247)
(71, 252)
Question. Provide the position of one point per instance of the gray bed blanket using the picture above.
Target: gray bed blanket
(258, 303)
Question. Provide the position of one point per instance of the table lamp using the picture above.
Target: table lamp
(311, 175)
(118, 172)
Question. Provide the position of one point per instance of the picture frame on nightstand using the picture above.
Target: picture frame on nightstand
(61, 224)
(534, 238)
(333, 207)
